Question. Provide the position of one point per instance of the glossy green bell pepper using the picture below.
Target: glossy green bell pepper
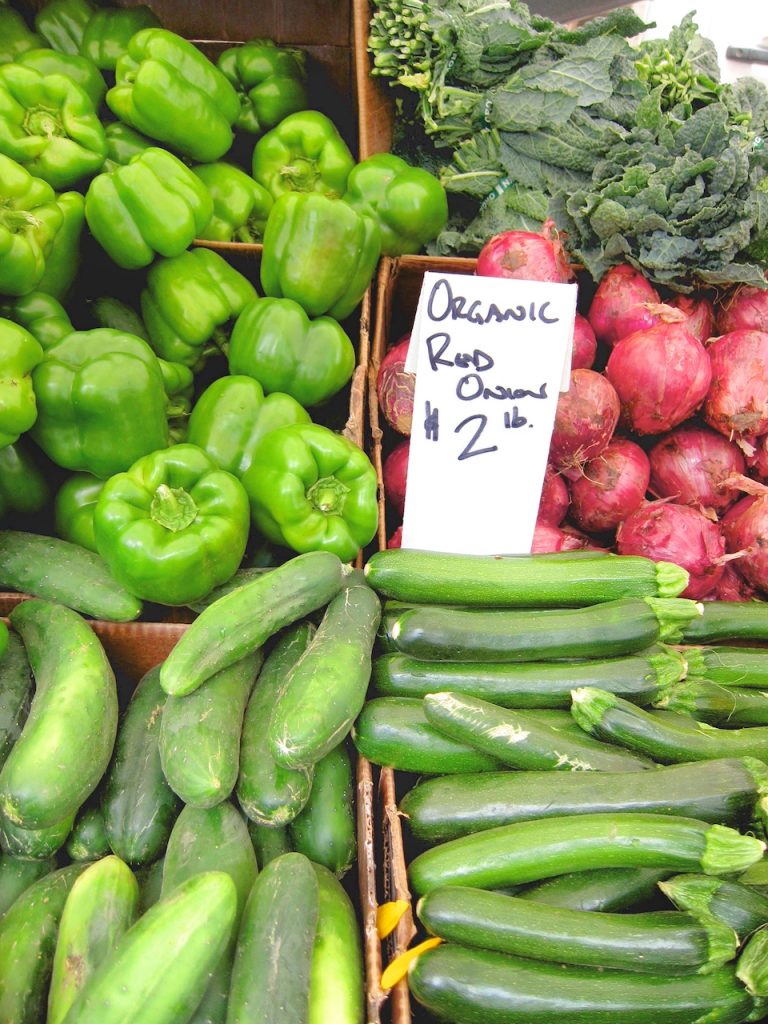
(270, 81)
(179, 384)
(123, 143)
(73, 509)
(20, 353)
(189, 303)
(173, 527)
(303, 153)
(312, 490)
(43, 316)
(109, 30)
(62, 261)
(408, 203)
(101, 402)
(30, 216)
(16, 38)
(167, 89)
(23, 486)
(153, 205)
(49, 125)
(240, 204)
(232, 415)
(319, 252)
(275, 342)
(62, 23)
(80, 70)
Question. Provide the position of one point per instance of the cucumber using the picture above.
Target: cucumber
(57, 570)
(16, 688)
(269, 793)
(728, 666)
(728, 620)
(150, 879)
(88, 838)
(736, 905)
(138, 805)
(271, 973)
(730, 707)
(160, 969)
(326, 688)
(336, 981)
(100, 908)
(200, 734)
(394, 732)
(723, 791)
(37, 843)
(16, 876)
(27, 943)
(325, 830)
(269, 842)
(47, 776)
(241, 621)
(606, 890)
(245, 574)
(478, 986)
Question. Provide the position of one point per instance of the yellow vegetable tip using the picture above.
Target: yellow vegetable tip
(388, 915)
(398, 968)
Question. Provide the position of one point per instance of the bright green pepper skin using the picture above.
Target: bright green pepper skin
(48, 124)
(312, 490)
(109, 31)
(188, 303)
(240, 204)
(167, 89)
(23, 487)
(3, 638)
(232, 415)
(81, 71)
(16, 38)
(319, 252)
(20, 353)
(275, 342)
(123, 143)
(270, 80)
(303, 153)
(408, 203)
(30, 216)
(154, 205)
(174, 526)
(73, 509)
(63, 260)
(101, 402)
(62, 23)
(43, 316)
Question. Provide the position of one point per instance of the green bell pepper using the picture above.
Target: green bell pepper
(408, 203)
(3, 638)
(43, 316)
(312, 490)
(232, 415)
(179, 384)
(30, 217)
(23, 487)
(16, 38)
(62, 23)
(63, 259)
(108, 32)
(173, 527)
(48, 124)
(240, 204)
(275, 342)
(123, 143)
(81, 71)
(101, 402)
(270, 81)
(154, 204)
(303, 153)
(167, 89)
(20, 353)
(189, 303)
(319, 252)
(73, 509)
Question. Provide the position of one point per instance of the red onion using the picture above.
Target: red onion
(737, 402)
(394, 387)
(547, 537)
(745, 309)
(676, 533)
(622, 304)
(526, 256)
(554, 498)
(732, 586)
(690, 465)
(396, 540)
(395, 473)
(584, 344)
(757, 459)
(700, 314)
(612, 487)
(745, 528)
(661, 375)
(585, 420)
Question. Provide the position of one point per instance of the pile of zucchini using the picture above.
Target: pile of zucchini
(180, 861)
(595, 787)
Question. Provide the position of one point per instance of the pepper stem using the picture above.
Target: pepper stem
(173, 508)
(327, 495)
(43, 121)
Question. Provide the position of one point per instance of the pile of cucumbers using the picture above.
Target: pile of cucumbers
(582, 852)
(180, 860)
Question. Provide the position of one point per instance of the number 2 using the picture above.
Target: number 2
(469, 450)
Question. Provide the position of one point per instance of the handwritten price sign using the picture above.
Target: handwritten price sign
(491, 356)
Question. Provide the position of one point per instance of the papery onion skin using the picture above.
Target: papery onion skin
(584, 344)
(547, 537)
(395, 475)
(526, 256)
(690, 465)
(622, 304)
(585, 420)
(757, 459)
(613, 485)
(395, 387)
(745, 309)
(700, 312)
(555, 498)
(732, 586)
(746, 531)
(737, 401)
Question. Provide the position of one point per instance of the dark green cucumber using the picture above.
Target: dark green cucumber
(637, 677)
(110, 312)
(608, 890)
(150, 879)
(528, 851)
(16, 688)
(660, 942)
(100, 908)
(47, 775)
(394, 732)
(88, 839)
(518, 739)
(27, 944)
(16, 876)
(241, 621)
(269, 842)
(728, 666)
(269, 793)
(736, 905)
(326, 688)
(723, 791)
(271, 972)
(37, 843)
(200, 734)
(138, 805)
(730, 707)
(325, 830)
(614, 628)
(728, 620)
(479, 986)
(57, 570)
(336, 990)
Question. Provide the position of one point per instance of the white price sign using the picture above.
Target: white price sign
(491, 356)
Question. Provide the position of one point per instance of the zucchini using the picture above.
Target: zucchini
(721, 791)
(37, 843)
(606, 890)
(16, 876)
(728, 666)
(528, 851)
(736, 905)
(336, 978)
(551, 580)
(728, 620)
(752, 967)
(88, 838)
(269, 842)
(731, 707)
(325, 829)
(16, 688)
